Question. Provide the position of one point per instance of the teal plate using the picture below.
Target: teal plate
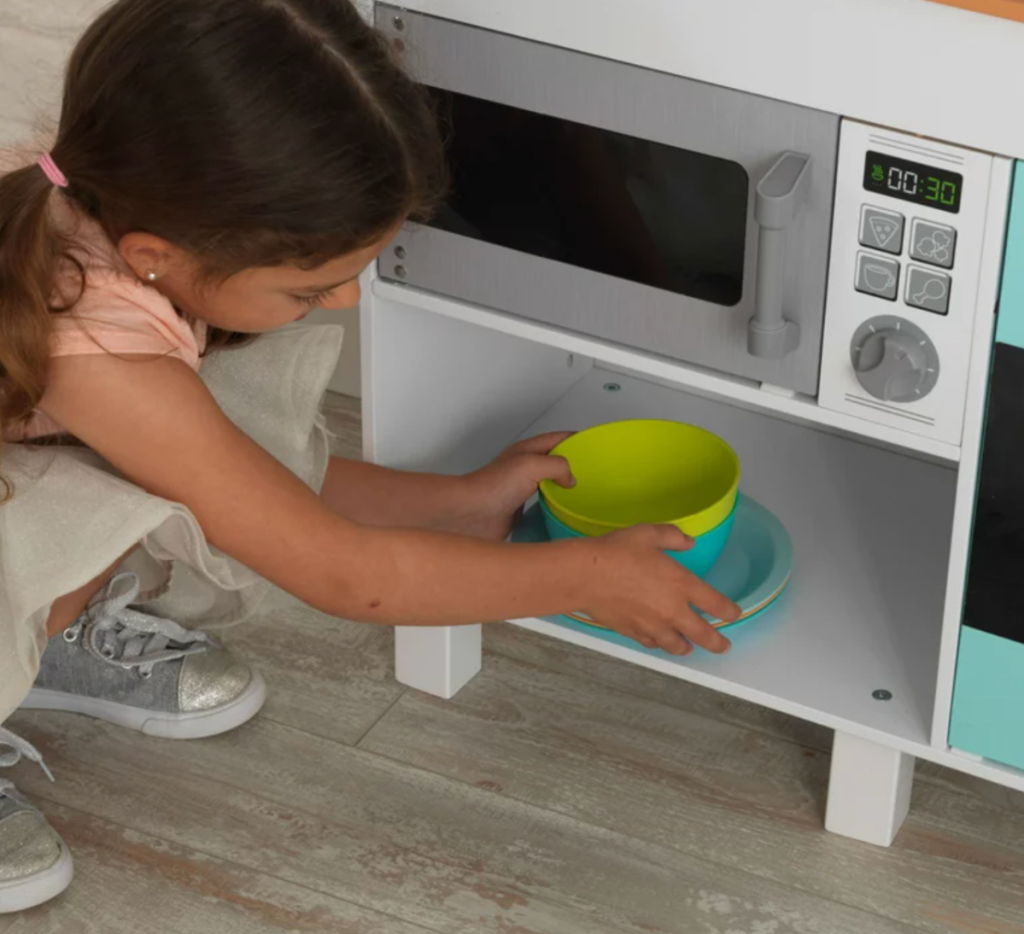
(753, 571)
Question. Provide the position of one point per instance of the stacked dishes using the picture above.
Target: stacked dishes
(648, 471)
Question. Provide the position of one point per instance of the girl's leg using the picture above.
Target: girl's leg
(143, 672)
(69, 607)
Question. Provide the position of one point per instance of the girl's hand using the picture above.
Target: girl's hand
(645, 595)
(493, 504)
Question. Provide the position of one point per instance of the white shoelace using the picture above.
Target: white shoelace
(19, 749)
(114, 633)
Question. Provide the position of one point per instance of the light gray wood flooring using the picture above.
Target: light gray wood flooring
(560, 793)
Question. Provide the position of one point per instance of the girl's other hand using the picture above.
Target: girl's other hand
(642, 593)
(494, 497)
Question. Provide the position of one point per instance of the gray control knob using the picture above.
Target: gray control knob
(894, 359)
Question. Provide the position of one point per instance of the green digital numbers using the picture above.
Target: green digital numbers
(938, 190)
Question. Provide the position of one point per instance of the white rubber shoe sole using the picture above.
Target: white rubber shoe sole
(22, 894)
(166, 725)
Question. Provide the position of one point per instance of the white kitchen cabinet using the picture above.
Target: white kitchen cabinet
(865, 641)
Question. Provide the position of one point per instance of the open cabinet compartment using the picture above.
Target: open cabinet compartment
(870, 526)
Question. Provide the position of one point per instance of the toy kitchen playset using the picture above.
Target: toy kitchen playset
(799, 225)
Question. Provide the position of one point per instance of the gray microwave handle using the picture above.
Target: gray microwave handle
(780, 195)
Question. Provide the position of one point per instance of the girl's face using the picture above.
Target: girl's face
(254, 300)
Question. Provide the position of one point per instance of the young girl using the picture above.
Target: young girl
(221, 167)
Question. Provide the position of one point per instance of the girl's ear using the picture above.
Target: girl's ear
(150, 257)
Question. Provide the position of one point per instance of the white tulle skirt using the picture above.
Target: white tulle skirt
(72, 516)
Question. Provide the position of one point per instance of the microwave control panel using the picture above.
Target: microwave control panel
(907, 242)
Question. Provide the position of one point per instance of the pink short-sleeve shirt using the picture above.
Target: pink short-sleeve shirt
(116, 312)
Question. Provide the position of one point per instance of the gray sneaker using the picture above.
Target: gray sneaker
(145, 673)
(35, 864)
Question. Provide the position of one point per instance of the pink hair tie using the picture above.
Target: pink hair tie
(51, 171)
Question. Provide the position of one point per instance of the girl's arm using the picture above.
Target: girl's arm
(155, 421)
(483, 504)
(373, 495)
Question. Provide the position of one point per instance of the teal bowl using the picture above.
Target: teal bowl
(700, 559)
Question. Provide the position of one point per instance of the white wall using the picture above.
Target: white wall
(35, 39)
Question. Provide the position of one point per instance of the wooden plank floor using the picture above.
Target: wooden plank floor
(560, 793)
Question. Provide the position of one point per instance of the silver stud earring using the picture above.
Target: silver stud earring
(151, 276)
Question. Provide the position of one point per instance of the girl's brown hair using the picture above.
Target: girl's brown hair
(249, 132)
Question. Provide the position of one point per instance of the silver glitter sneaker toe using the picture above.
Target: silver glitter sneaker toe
(35, 864)
(145, 673)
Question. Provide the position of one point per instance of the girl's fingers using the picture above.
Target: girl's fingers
(541, 444)
(699, 632)
(673, 643)
(546, 467)
(717, 606)
(670, 538)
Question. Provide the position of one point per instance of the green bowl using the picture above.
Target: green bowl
(645, 471)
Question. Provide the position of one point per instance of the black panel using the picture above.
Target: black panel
(995, 582)
(627, 207)
(914, 182)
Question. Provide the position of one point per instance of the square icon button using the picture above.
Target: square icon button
(932, 243)
(881, 229)
(878, 276)
(928, 289)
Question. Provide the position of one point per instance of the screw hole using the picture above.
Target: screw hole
(400, 252)
(401, 272)
(399, 24)
(882, 695)
(612, 387)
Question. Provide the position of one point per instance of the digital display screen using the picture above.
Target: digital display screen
(912, 181)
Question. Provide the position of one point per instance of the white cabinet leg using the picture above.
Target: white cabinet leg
(869, 790)
(437, 660)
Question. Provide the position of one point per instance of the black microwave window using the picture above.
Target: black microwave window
(619, 205)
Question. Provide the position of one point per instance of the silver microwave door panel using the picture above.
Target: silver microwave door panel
(617, 202)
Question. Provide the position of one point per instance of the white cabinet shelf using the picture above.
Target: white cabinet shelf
(870, 534)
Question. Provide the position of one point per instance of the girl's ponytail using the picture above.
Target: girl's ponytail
(30, 251)
(257, 134)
